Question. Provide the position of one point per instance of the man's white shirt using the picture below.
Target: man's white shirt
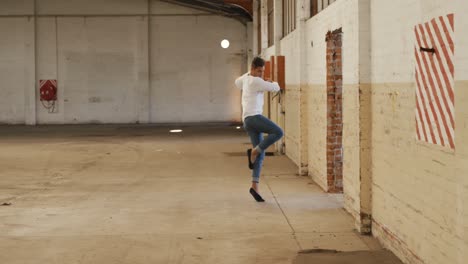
(253, 89)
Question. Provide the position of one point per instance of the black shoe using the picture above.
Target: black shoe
(249, 153)
(256, 196)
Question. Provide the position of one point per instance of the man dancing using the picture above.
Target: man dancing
(253, 87)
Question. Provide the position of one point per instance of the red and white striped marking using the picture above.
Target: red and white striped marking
(43, 82)
(435, 102)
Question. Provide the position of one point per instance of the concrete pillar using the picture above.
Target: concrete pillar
(279, 100)
(303, 15)
(264, 19)
(278, 25)
(250, 43)
(365, 117)
(256, 19)
(32, 85)
(143, 70)
(143, 67)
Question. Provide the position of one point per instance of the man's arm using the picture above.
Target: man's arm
(265, 86)
(240, 81)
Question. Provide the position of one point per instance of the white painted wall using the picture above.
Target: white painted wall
(192, 74)
(100, 72)
(17, 7)
(312, 90)
(115, 65)
(418, 188)
(419, 191)
(341, 14)
(16, 69)
(290, 48)
(92, 7)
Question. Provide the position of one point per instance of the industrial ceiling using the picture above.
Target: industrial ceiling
(238, 9)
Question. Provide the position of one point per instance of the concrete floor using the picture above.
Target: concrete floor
(122, 194)
(361, 257)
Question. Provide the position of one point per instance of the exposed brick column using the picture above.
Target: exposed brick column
(334, 112)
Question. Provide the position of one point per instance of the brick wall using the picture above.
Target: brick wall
(342, 14)
(334, 111)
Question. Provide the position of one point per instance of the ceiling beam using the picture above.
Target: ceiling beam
(247, 5)
(238, 9)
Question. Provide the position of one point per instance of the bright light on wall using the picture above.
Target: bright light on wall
(225, 43)
(175, 130)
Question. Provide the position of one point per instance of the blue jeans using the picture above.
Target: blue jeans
(255, 127)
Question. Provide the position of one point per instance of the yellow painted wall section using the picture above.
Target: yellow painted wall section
(351, 148)
(292, 122)
(418, 188)
(461, 172)
(341, 14)
(317, 108)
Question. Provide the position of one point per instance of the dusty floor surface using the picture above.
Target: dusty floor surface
(123, 194)
(361, 257)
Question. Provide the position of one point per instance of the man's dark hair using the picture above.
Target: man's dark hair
(258, 62)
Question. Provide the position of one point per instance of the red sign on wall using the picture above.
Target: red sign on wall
(48, 90)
